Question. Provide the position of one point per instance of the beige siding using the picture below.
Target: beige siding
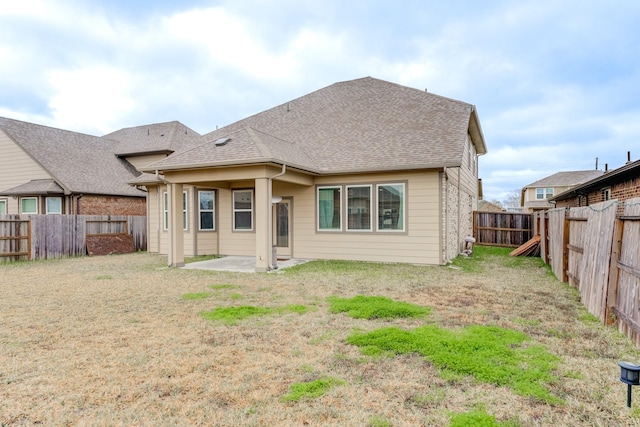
(420, 243)
(16, 168)
(233, 242)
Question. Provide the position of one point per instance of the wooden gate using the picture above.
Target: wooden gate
(502, 228)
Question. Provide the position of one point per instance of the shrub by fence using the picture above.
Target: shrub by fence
(58, 236)
(599, 253)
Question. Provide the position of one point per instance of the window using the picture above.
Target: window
(359, 207)
(205, 207)
(544, 193)
(606, 194)
(391, 207)
(54, 205)
(329, 209)
(3, 206)
(165, 210)
(29, 205)
(243, 210)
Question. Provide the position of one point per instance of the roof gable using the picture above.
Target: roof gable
(78, 162)
(364, 125)
(153, 138)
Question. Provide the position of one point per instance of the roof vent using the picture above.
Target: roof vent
(222, 141)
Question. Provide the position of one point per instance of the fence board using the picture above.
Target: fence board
(575, 245)
(502, 228)
(555, 249)
(628, 280)
(594, 270)
(56, 236)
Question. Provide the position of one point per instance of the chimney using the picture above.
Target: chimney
(628, 157)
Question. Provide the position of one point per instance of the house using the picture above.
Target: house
(487, 206)
(620, 184)
(536, 196)
(44, 170)
(359, 170)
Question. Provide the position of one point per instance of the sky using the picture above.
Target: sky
(556, 83)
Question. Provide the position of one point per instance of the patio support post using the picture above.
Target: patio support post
(263, 224)
(176, 226)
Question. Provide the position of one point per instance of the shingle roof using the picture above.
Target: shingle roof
(35, 187)
(77, 162)
(359, 125)
(244, 146)
(565, 179)
(153, 138)
(629, 171)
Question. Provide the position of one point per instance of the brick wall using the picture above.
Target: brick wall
(112, 205)
(621, 191)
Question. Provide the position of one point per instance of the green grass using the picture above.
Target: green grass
(375, 307)
(379, 421)
(222, 286)
(477, 418)
(233, 315)
(311, 389)
(196, 296)
(477, 262)
(104, 277)
(338, 267)
(490, 354)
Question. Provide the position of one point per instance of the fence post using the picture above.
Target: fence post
(29, 240)
(565, 248)
(614, 272)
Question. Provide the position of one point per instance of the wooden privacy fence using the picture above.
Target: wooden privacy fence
(502, 228)
(598, 253)
(58, 236)
(15, 239)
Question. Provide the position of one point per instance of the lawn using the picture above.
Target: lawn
(123, 340)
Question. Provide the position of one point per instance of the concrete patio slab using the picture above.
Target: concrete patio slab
(240, 264)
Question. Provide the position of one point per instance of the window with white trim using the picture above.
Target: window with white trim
(359, 207)
(606, 194)
(206, 202)
(329, 208)
(243, 210)
(3, 206)
(391, 207)
(29, 205)
(54, 205)
(165, 210)
(544, 193)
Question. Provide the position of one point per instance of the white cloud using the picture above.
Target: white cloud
(90, 99)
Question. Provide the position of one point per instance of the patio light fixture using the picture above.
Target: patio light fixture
(630, 375)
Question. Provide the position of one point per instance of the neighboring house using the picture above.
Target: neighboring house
(45, 170)
(536, 195)
(359, 170)
(620, 184)
(487, 206)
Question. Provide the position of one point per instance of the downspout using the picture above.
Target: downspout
(270, 215)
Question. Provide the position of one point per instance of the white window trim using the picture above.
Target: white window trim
(212, 210)
(165, 210)
(46, 204)
(4, 202)
(404, 207)
(29, 198)
(359, 230)
(329, 230)
(234, 210)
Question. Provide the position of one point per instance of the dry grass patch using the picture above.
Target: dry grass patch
(112, 341)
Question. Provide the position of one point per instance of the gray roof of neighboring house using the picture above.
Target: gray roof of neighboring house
(566, 179)
(77, 162)
(35, 187)
(629, 171)
(359, 125)
(154, 138)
